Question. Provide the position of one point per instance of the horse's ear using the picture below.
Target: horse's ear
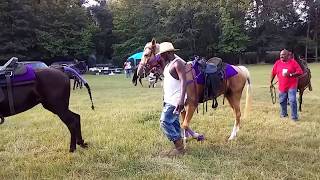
(153, 42)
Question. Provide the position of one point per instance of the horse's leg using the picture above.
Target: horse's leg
(300, 99)
(78, 84)
(69, 119)
(79, 141)
(189, 109)
(234, 101)
(74, 83)
(140, 81)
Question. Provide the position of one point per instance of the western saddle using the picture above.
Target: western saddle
(7, 72)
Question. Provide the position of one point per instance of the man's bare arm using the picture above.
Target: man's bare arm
(181, 72)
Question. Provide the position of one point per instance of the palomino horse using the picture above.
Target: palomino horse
(232, 89)
(48, 86)
(304, 81)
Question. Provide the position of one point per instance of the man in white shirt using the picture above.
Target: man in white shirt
(174, 87)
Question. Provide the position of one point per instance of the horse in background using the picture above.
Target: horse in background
(77, 83)
(24, 88)
(304, 80)
(80, 67)
(136, 77)
(232, 87)
(153, 77)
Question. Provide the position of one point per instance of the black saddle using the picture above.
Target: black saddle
(11, 68)
(213, 70)
(7, 72)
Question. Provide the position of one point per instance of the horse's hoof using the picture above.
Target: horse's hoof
(200, 138)
(231, 138)
(84, 145)
(185, 126)
(72, 150)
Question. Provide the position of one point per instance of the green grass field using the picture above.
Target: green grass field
(125, 140)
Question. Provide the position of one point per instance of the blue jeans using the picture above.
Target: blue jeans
(283, 96)
(128, 73)
(169, 123)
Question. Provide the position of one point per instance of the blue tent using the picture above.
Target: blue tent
(135, 57)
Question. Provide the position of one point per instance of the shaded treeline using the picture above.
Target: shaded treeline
(241, 31)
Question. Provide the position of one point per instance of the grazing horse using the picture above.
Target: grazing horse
(48, 86)
(232, 88)
(304, 81)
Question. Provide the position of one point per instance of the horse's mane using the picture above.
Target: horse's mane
(303, 67)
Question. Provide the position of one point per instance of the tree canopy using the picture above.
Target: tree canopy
(115, 29)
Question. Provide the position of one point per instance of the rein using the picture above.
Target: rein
(273, 93)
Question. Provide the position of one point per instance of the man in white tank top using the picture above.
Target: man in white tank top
(174, 88)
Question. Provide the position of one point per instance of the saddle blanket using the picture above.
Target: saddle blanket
(229, 70)
(28, 76)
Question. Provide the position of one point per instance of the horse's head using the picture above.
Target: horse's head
(149, 59)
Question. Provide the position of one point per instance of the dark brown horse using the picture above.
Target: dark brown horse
(155, 78)
(232, 88)
(304, 81)
(51, 88)
(136, 77)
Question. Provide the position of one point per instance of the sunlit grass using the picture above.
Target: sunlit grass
(125, 140)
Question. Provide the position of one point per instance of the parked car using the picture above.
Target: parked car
(35, 64)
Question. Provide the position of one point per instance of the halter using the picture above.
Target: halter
(152, 62)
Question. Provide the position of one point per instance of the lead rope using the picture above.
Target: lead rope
(273, 93)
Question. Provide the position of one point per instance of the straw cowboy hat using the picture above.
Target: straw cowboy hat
(166, 47)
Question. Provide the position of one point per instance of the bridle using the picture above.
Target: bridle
(152, 62)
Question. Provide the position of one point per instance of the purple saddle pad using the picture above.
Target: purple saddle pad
(28, 76)
(229, 70)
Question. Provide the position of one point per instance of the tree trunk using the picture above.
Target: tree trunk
(240, 59)
(316, 33)
(307, 40)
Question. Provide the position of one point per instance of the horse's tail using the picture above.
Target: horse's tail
(249, 91)
(76, 74)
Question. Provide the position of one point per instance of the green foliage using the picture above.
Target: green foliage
(116, 29)
(103, 37)
(17, 22)
(65, 31)
(233, 38)
(135, 23)
(45, 29)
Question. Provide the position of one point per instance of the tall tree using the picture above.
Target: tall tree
(133, 25)
(103, 38)
(65, 30)
(17, 23)
(233, 38)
